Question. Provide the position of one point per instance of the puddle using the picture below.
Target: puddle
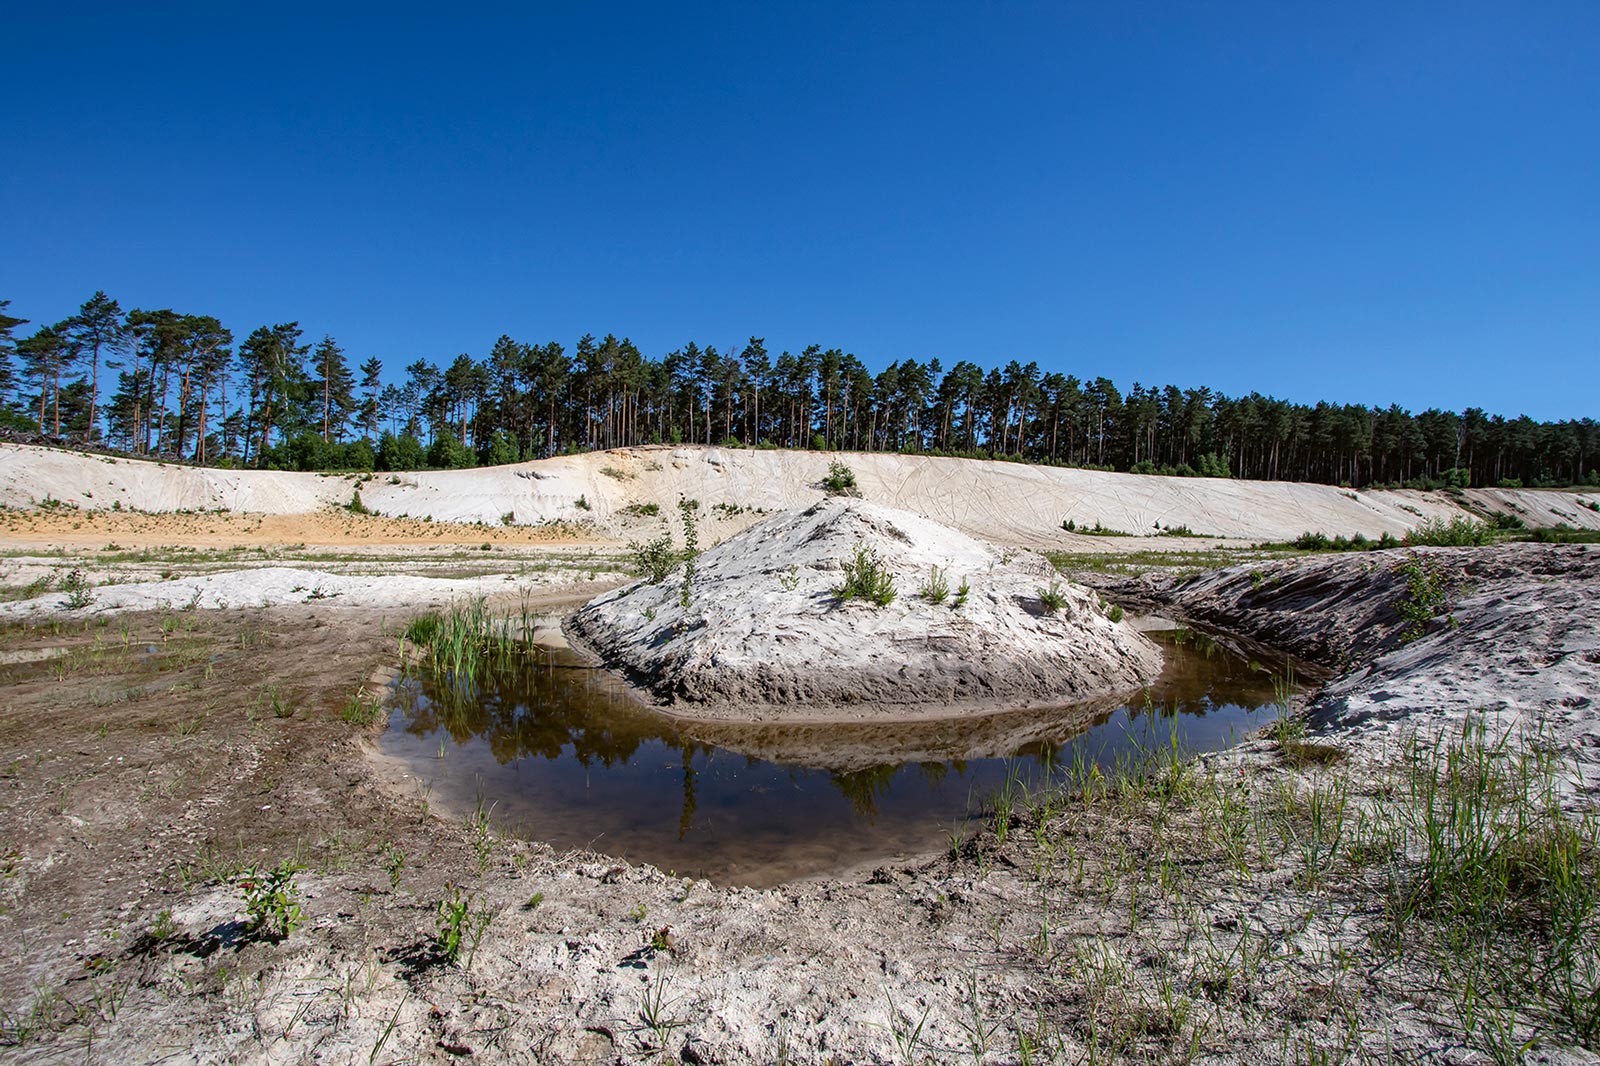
(560, 754)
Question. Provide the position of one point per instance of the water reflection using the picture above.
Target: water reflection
(563, 755)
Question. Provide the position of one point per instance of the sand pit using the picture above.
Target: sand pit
(766, 634)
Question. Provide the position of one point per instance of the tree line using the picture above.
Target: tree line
(185, 389)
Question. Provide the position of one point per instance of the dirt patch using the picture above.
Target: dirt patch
(332, 526)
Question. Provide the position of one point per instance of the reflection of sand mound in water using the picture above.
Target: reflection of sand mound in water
(767, 637)
(846, 747)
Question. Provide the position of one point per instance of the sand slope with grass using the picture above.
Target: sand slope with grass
(1013, 503)
(1424, 638)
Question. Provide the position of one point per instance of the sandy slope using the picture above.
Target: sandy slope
(1009, 502)
(1517, 637)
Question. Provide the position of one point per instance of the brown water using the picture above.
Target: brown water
(561, 754)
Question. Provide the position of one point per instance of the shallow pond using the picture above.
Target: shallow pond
(560, 753)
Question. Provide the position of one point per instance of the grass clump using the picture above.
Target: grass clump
(361, 710)
(866, 577)
(467, 640)
(937, 588)
(1504, 889)
(642, 510)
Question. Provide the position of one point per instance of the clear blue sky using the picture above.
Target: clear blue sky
(1375, 203)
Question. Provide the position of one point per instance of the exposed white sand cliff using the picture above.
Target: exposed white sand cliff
(1012, 503)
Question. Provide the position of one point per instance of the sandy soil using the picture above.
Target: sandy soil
(1241, 908)
(331, 526)
(150, 770)
(765, 635)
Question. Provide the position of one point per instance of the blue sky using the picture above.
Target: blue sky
(1359, 202)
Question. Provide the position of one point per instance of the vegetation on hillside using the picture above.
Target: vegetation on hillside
(184, 390)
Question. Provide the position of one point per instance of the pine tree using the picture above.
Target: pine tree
(97, 328)
(8, 348)
(371, 384)
(336, 385)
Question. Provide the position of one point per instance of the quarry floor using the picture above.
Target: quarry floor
(156, 753)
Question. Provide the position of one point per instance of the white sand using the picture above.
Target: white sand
(274, 586)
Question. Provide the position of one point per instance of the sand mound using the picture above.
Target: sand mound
(766, 636)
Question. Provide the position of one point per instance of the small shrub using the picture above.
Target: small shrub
(841, 480)
(867, 578)
(394, 861)
(642, 510)
(582, 503)
(1427, 596)
(1097, 530)
(691, 549)
(509, 518)
(355, 506)
(1565, 535)
(80, 593)
(937, 588)
(1460, 531)
(613, 472)
(1054, 597)
(272, 901)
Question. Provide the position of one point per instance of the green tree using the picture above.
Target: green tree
(97, 329)
(336, 384)
(46, 355)
(8, 348)
(371, 384)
